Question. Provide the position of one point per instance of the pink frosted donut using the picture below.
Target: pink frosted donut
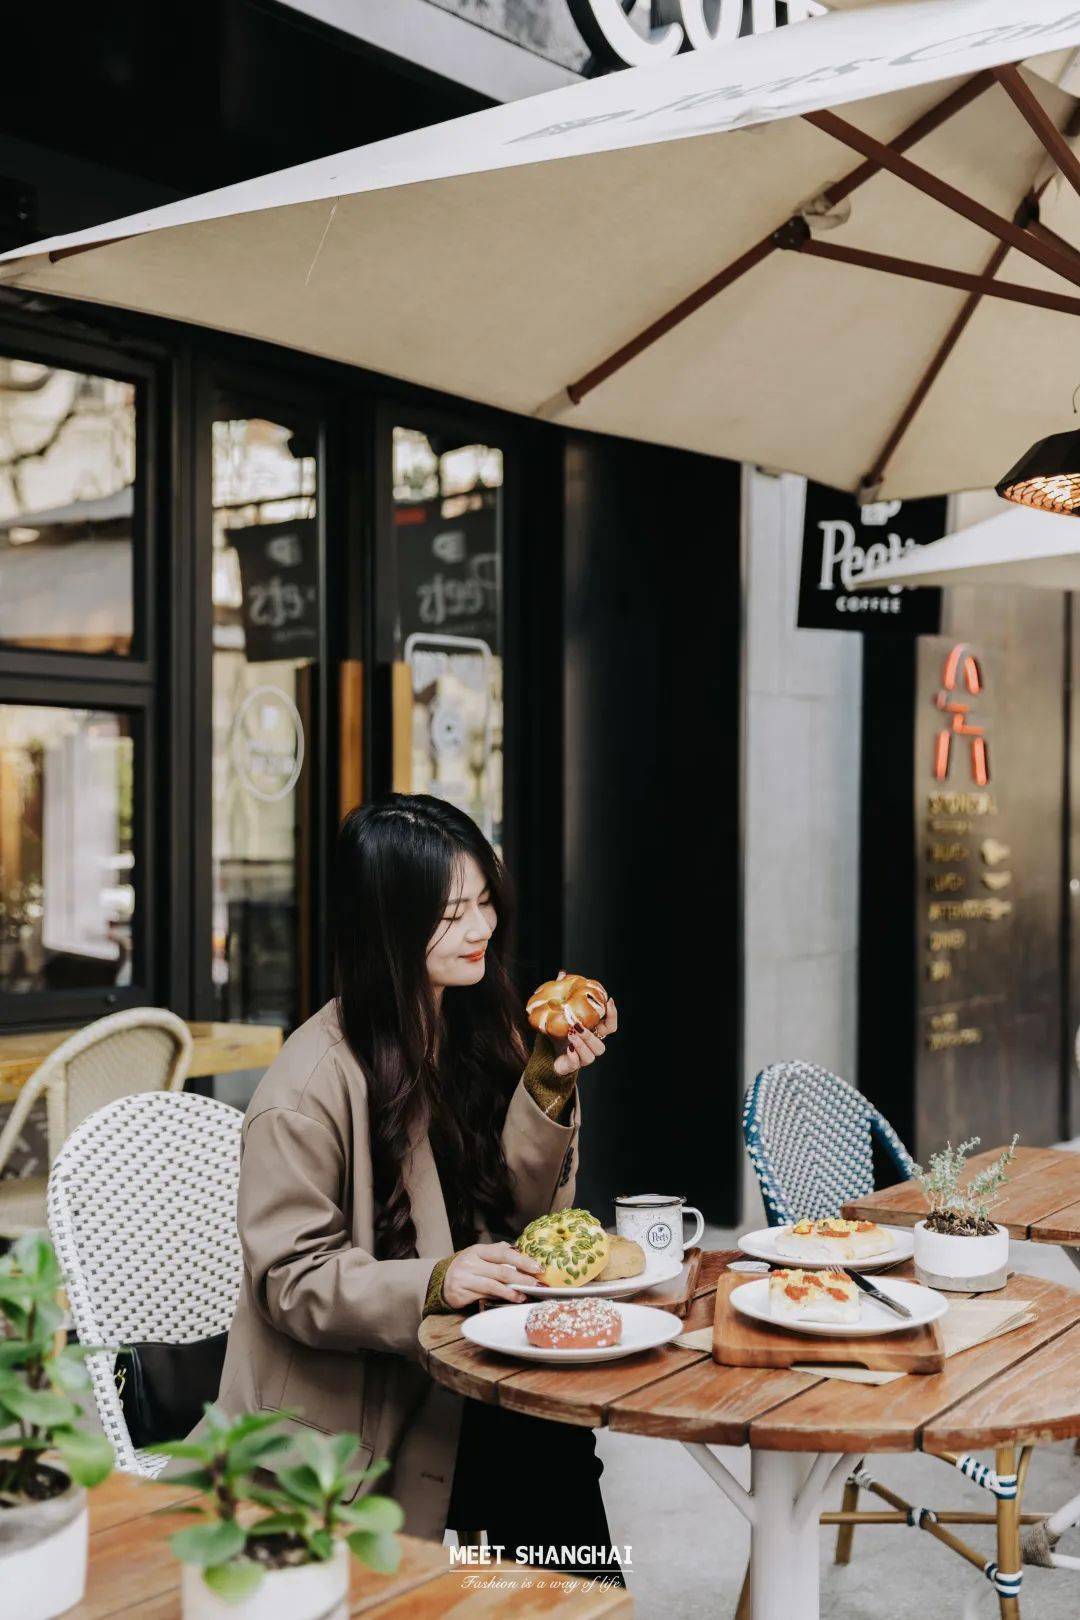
(573, 1324)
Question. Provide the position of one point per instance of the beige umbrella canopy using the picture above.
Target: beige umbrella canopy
(879, 295)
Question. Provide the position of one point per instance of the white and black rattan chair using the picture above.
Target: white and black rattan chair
(142, 1210)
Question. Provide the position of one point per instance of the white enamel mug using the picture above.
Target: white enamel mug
(656, 1222)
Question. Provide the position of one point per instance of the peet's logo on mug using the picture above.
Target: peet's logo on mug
(655, 1222)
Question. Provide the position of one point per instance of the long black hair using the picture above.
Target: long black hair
(397, 859)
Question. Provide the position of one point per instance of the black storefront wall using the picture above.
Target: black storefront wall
(651, 820)
(965, 1007)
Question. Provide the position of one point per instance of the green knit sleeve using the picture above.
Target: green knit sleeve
(433, 1299)
(551, 1092)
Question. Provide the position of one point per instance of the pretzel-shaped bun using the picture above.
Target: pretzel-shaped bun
(562, 1002)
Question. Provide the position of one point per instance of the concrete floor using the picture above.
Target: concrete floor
(690, 1545)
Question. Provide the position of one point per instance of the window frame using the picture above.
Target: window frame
(478, 426)
(282, 395)
(129, 684)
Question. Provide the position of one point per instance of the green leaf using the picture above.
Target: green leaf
(47, 1318)
(36, 1257)
(266, 1496)
(320, 1544)
(316, 1453)
(378, 1549)
(200, 1479)
(373, 1513)
(45, 1408)
(70, 1372)
(191, 1450)
(252, 1423)
(343, 1448)
(302, 1485)
(252, 1451)
(216, 1541)
(216, 1421)
(236, 1580)
(278, 1524)
(88, 1458)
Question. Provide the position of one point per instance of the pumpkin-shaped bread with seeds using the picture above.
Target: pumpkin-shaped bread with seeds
(570, 1244)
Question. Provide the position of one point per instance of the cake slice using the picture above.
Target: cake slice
(813, 1296)
(834, 1241)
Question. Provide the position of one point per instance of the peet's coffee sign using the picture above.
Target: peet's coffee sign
(842, 540)
(279, 576)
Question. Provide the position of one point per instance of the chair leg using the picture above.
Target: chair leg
(845, 1532)
(1008, 1534)
(742, 1612)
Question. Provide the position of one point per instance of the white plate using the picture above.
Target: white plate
(925, 1305)
(660, 1271)
(502, 1328)
(764, 1245)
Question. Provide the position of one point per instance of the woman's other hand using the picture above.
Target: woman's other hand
(488, 1271)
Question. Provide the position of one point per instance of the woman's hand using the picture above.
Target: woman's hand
(583, 1046)
(488, 1271)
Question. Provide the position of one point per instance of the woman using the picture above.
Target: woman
(391, 1149)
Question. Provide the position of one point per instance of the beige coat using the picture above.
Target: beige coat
(324, 1329)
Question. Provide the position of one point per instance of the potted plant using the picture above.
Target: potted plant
(291, 1561)
(43, 1518)
(957, 1246)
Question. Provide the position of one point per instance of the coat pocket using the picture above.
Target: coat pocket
(327, 1390)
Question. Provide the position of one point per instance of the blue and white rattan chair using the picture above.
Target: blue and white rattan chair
(810, 1139)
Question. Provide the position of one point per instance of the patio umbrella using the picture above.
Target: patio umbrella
(845, 248)
(1018, 547)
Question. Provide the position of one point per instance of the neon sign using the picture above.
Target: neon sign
(960, 666)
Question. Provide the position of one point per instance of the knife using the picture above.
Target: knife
(875, 1293)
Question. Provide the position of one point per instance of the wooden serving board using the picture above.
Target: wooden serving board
(740, 1341)
(675, 1295)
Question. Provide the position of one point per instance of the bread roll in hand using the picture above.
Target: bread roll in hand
(560, 1003)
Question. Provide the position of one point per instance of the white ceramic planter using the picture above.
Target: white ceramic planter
(961, 1265)
(43, 1556)
(309, 1592)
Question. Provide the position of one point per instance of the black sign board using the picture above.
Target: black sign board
(448, 571)
(279, 577)
(841, 539)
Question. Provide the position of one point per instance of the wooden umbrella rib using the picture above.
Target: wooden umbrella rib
(1066, 265)
(916, 131)
(873, 478)
(1025, 215)
(982, 286)
(1016, 86)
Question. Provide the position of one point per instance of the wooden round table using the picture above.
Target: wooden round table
(806, 1432)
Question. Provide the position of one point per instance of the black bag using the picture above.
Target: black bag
(164, 1387)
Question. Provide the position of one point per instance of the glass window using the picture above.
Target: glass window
(447, 568)
(265, 645)
(67, 896)
(67, 509)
